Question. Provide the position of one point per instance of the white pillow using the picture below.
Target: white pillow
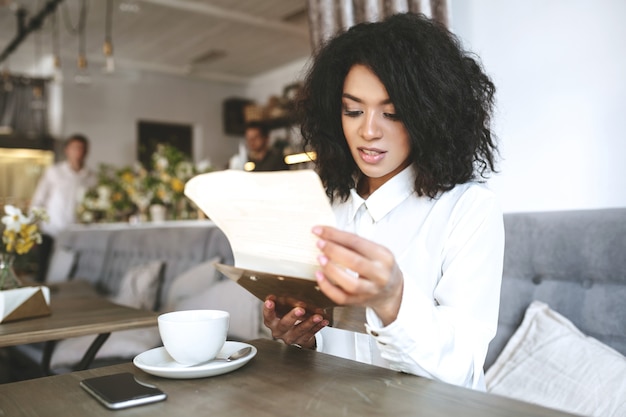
(549, 362)
(246, 320)
(140, 286)
(191, 282)
(61, 264)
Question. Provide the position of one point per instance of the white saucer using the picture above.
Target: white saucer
(158, 362)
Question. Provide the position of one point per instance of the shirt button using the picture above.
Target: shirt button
(373, 333)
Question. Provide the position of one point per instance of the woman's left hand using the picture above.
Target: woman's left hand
(293, 328)
(356, 271)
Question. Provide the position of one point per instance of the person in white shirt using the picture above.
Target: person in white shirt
(399, 116)
(59, 191)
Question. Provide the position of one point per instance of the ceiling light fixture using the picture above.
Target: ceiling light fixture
(107, 48)
(56, 49)
(37, 67)
(82, 75)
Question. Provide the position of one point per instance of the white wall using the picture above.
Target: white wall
(271, 83)
(108, 110)
(560, 70)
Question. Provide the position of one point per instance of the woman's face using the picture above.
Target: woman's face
(377, 139)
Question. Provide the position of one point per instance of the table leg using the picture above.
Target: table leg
(48, 349)
(84, 363)
(91, 352)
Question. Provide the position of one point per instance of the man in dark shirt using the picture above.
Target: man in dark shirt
(261, 157)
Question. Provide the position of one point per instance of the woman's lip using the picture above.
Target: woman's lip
(371, 155)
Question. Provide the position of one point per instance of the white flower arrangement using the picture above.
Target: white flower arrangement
(122, 191)
(21, 231)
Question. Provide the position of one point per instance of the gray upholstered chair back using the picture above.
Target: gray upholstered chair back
(575, 261)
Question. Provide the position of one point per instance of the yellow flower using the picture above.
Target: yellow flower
(177, 185)
(21, 232)
(162, 194)
(128, 177)
(8, 237)
(117, 196)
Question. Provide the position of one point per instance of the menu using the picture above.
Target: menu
(267, 218)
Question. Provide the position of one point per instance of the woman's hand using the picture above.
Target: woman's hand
(356, 271)
(293, 328)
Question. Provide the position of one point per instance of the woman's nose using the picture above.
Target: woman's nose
(370, 128)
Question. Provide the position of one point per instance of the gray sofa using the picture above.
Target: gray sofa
(575, 261)
(105, 252)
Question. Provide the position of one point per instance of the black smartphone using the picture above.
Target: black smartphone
(121, 390)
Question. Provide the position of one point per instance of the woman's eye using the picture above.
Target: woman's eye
(351, 113)
(392, 116)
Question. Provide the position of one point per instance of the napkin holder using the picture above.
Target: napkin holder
(23, 303)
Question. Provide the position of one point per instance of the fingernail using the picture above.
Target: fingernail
(317, 319)
(268, 304)
(319, 275)
(299, 312)
(325, 323)
(323, 260)
(321, 243)
(317, 230)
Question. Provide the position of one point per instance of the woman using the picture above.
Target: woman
(399, 117)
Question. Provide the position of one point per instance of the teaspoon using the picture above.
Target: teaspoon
(239, 354)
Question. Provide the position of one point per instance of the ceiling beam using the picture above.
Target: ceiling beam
(235, 16)
(96, 61)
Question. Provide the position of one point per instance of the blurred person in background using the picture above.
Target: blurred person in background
(260, 155)
(59, 191)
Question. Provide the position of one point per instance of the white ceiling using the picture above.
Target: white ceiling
(222, 40)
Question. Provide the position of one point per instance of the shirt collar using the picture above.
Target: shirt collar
(387, 197)
(67, 167)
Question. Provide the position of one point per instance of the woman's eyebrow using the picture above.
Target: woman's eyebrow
(358, 100)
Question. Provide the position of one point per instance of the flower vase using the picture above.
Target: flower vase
(8, 278)
(158, 213)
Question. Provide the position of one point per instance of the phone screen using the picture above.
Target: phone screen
(121, 390)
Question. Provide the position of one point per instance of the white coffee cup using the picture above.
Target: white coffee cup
(193, 336)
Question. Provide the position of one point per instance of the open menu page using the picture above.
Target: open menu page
(266, 216)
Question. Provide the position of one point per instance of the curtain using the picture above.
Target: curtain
(23, 106)
(329, 17)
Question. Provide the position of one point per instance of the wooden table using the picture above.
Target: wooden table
(77, 310)
(280, 381)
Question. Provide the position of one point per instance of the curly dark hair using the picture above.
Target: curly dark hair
(439, 92)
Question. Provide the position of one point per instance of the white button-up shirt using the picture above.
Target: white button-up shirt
(59, 191)
(450, 251)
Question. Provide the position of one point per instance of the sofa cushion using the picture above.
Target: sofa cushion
(191, 282)
(246, 320)
(140, 285)
(548, 361)
(61, 265)
(201, 287)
